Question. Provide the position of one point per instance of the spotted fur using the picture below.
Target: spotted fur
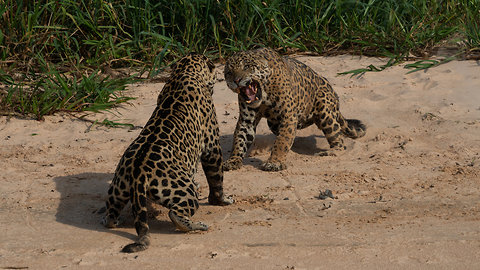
(160, 163)
(291, 96)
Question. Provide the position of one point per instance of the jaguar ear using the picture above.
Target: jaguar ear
(210, 65)
(263, 63)
(173, 66)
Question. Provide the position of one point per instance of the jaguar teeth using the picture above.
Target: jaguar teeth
(250, 101)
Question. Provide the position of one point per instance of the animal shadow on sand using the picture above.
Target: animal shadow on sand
(263, 143)
(84, 194)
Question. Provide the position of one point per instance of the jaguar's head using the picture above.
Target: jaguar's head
(247, 77)
(200, 66)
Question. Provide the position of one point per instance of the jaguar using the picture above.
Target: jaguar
(160, 164)
(291, 96)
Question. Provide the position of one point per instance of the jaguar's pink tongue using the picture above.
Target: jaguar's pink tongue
(250, 92)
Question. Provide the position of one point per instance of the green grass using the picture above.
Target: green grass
(81, 37)
(54, 92)
(109, 123)
(426, 64)
(394, 60)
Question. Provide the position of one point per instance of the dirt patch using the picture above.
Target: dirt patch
(404, 196)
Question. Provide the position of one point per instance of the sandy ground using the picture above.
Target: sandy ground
(405, 196)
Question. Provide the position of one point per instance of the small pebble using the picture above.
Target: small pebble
(326, 194)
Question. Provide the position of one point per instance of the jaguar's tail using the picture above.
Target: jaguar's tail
(141, 244)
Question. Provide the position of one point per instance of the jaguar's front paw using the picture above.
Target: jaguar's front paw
(273, 166)
(325, 153)
(222, 201)
(332, 152)
(110, 223)
(233, 163)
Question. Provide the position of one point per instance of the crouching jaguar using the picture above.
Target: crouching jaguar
(160, 163)
(291, 96)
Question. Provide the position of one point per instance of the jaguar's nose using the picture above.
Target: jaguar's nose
(237, 81)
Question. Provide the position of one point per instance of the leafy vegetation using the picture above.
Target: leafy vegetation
(62, 39)
(55, 92)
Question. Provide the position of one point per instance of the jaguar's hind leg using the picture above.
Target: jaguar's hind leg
(331, 129)
(139, 209)
(213, 168)
(115, 203)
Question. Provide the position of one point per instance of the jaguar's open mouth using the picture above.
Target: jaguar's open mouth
(251, 92)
